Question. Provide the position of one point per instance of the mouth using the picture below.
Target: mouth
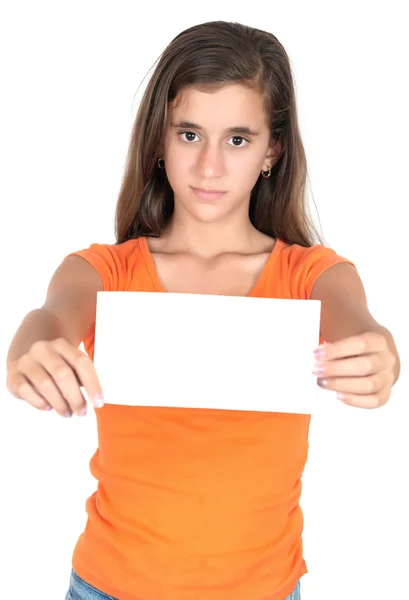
(207, 194)
(209, 190)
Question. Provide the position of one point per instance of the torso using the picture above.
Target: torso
(228, 274)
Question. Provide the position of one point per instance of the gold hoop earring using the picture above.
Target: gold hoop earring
(264, 174)
(161, 166)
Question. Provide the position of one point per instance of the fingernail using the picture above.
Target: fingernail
(340, 396)
(98, 401)
(82, 412)
(319, 354)
(68, 414)
(48, 407)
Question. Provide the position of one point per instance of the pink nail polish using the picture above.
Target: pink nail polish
(318, 370)
(98, 401)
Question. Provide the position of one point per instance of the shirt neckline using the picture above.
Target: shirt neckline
(153, 273)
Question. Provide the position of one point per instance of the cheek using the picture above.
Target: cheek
(178, 172)
(178, 177)
(246, 165)
(179, 159)
(246, 171)
(244, 160)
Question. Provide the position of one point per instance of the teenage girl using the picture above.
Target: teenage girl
(199, 504)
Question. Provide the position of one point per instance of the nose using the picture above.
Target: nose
(210, 162)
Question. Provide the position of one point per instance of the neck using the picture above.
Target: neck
(211, 239)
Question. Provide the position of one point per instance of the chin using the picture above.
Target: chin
(208, 213)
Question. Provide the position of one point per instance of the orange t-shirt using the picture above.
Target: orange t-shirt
(197, 504)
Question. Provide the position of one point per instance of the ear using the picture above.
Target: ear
(273, 154)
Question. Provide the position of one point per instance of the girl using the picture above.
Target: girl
(203, 504)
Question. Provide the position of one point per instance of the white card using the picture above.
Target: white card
(207, 351)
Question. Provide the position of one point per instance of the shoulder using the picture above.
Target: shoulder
(304, 264)
(298, 254)
(113, 262)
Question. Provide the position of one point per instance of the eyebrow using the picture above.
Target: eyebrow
(239, 129)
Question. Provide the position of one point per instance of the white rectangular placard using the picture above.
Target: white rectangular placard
(207, 351)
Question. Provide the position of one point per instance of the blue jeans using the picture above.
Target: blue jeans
(81, 590)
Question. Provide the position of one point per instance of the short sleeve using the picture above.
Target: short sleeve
(305, 265)
(105, 261)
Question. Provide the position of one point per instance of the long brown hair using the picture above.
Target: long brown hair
(212, 54)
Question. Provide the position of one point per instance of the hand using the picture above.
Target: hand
(50, 375)
(359, 368)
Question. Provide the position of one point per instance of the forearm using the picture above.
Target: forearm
(39, 324)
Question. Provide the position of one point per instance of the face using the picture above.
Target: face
(223, 145)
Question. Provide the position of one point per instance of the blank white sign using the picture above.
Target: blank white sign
(207, 351)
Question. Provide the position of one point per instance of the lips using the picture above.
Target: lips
(207, 194)
(208, 191)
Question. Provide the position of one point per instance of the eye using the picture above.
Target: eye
(238, 137)
(186, 133)
(235, 138)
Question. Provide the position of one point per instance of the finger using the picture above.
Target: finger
(364, 343)
(365, 401)
(371, 384)
(65, 379)
(44, 385)
(83, 367)
(20, 388)
(354, 365)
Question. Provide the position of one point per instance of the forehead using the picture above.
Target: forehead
(214, 106)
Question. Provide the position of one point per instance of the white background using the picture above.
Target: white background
(70, 75)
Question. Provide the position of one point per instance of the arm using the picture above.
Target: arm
(344, 308)
(68, 311)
